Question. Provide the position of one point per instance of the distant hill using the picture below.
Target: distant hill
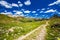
(6, 18)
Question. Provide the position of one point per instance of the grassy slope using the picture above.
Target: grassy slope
(33, 35)
(54, 32)
(10, 28)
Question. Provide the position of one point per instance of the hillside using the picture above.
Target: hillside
(12, 28)
(53, 30)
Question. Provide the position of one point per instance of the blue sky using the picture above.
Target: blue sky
(30, 8)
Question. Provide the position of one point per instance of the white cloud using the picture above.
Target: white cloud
(27, 11)
(14, 10)
(38, 9)
(22, 9)
(48, 8)
(59, 13)
(6, 4)
(33, 11)
(41, 11)
(51, 10)
(28, 2)
(36, 14)
(18, 12)
(6, 13)
(56, 2)
(14, 5)
(20, 4)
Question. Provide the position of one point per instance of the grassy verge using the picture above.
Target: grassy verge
(12, 30)
(33, 35)
(53, 32)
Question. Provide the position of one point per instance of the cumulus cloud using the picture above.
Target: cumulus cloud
(14, 10)
(56, 2)
(41, 11)
(18, 12)
(19, 2)
(59, 13)
(38, 9)
(14, 5)
(36, 14)
(48, 8)
(33, 11)
(6, 4)
(51, 10)
(27, 11)
(20, 5)
(6, 13)
(28, 2)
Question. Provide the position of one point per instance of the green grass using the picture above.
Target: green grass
(10, 28)
(53, 33)
(33, 35)
(58, 38)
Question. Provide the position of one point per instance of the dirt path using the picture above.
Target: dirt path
(41, 35)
